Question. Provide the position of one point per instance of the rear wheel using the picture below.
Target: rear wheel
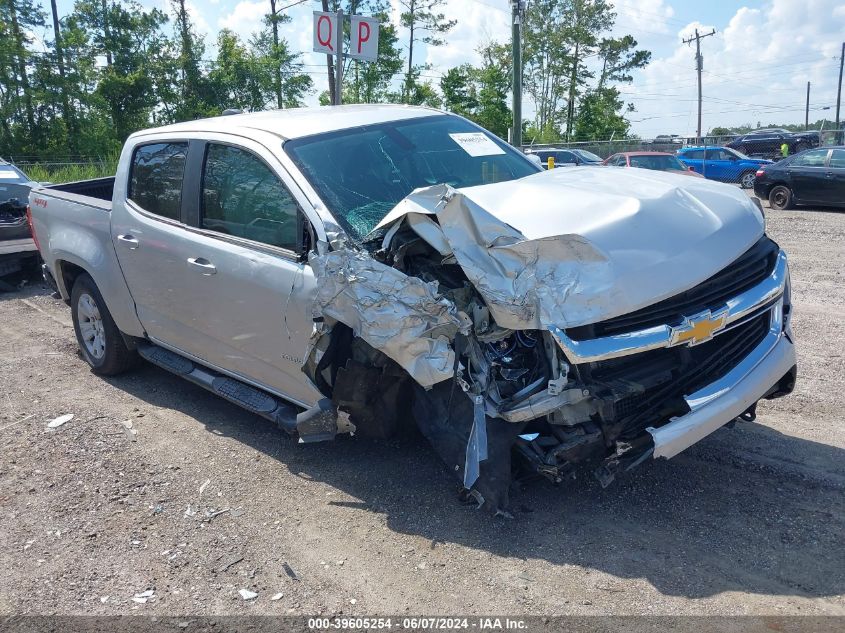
(780, 198)
(802, 146)
(746, 180)
(100, 342)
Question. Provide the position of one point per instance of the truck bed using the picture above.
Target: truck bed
(96, 192)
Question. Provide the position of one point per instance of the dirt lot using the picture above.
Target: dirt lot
(199, 499)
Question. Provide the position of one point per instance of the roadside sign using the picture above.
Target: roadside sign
(364, 38)
(325, 33)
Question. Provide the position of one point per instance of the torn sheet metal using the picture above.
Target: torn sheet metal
(477, 444)
(575, 246)
(403, 317)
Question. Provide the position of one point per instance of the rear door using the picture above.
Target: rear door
(148, 232)
(719, 165)
(808, 174)
(693, 158)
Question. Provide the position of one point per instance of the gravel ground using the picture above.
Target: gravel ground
(199, 500)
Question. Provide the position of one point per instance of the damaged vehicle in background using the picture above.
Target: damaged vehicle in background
(16, 245)
(362, 268)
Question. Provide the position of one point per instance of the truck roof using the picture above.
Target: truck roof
(299, 122)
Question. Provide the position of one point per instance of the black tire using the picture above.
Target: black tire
(106, 352)
(746, 179)
(801, 147)
(780, 198)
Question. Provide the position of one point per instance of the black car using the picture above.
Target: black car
(769, 141)
(815, 176)
(567, 157)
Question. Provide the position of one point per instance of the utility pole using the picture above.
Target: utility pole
(518, 9)
(699, 66)
(839, 94)
(338, 65)
(330, 65)
(807, 110)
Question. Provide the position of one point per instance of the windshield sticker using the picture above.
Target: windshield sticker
(7, 174)
(477, 144)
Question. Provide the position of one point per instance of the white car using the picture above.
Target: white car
(360, 268)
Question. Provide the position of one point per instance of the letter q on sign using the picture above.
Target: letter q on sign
(324, 32)
(364, 34)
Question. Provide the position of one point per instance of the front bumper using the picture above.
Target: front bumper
(727, 398)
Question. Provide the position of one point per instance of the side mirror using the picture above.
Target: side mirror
(535, 159)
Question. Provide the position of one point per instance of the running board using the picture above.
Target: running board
(245, 396)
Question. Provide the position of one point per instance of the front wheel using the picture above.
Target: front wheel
(780, 198)
(746, 181)
(100, 342)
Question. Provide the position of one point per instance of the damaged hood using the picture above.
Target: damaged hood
(569, 247)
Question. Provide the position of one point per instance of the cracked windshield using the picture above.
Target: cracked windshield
(361, 174)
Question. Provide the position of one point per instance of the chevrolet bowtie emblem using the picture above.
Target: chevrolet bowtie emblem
(698, 328)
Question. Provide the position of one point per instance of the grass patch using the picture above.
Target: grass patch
(58, 173)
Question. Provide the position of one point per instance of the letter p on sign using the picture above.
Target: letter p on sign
(364, 38)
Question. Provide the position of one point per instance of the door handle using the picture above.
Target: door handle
(130, 241)
(203, 264)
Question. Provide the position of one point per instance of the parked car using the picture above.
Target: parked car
(722, 163)
(353, 269)
(16, 245)
(666, 139)
(658, 161)
(567, 157)
(768, 141)
(815, 176)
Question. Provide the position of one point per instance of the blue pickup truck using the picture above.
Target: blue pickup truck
(722, 163)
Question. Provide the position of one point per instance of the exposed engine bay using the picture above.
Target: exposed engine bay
(415, 326)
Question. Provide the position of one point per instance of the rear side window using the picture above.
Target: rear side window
(814, 158)
(155, 181)
(695, 154)
(242, 197)
(837, 159)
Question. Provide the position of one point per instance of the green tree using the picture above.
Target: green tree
(589, 19)
(493, 80)
(459, 92)
(193, 95)
(17, 18)
(599, 116)
(426, 24)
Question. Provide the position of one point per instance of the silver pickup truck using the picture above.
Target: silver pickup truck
(363, 268)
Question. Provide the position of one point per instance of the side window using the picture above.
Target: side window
(242, 197)
(694, 154)
(837, 159)
(565, 157)
(814, 158)
(155, 179)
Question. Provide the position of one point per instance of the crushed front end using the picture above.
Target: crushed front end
(490, 331)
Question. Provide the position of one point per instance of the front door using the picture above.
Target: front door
(249, 292)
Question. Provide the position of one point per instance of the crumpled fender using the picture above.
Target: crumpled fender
(403, 317)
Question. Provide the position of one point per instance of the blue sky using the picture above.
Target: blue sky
(756, 66)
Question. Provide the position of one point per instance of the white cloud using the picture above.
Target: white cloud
(756, 68)
(246, 18)
(642, 17)
(478, 23)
